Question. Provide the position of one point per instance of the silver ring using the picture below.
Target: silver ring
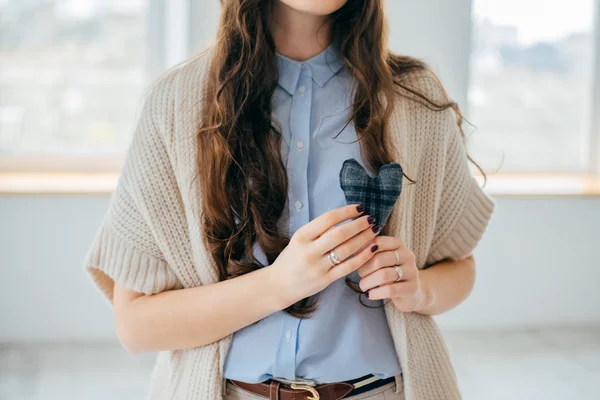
(330, 260)
(397, 257)
(334, 257)
(399, 271)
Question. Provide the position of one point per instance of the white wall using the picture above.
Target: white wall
(537, 265)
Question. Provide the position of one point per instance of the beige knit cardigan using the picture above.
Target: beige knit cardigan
(151, 240)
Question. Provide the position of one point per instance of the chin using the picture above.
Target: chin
(315, 7)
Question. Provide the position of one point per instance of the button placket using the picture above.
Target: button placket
(285, 361)
(298, 161)
(297, 165)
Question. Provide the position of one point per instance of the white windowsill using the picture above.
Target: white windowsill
(57, 183)
(540, 185)
(509, 185)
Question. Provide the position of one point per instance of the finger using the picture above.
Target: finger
(352, 242)
(325, 221)
(390, 243)
(381, 260)
(400, 289)
(386, 259)
(352, 264)
(381, 277)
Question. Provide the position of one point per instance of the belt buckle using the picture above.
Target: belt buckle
(314, 394)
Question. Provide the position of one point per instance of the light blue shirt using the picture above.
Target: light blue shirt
(343, 339)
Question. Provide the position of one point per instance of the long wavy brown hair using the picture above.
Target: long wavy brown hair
(242, 176)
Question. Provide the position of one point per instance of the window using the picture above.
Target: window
(533, 77)
(72, 73)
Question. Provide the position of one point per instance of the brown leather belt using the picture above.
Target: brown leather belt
(275, 390)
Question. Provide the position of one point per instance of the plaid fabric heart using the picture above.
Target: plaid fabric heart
(378, 194)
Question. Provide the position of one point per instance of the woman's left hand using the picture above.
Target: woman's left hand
(380, 279)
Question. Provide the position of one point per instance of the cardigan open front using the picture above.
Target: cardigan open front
(151, 238)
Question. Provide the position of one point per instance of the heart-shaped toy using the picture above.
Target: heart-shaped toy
(378, 194)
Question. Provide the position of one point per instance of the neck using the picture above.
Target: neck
(298, 35)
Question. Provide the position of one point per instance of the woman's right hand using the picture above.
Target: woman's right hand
(200, 315)
(302, 269)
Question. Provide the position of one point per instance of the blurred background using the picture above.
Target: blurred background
(526, 73)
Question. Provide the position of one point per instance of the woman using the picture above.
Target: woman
(217, 246)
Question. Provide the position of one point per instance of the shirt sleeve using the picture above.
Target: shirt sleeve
(464, 209)
(125, 249)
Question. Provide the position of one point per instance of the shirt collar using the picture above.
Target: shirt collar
(320, 67)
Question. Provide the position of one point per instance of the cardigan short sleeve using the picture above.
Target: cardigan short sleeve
(455, 208)
(464, 209)
(125, 249)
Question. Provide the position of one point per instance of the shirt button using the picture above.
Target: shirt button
(299, 144)
(302, 89)
(288, 335)
(298, 204)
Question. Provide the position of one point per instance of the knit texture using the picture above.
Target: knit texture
(151, 238)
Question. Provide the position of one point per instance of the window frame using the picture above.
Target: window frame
(595, 123)
(593, 169)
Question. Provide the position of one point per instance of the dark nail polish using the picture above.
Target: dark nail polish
(360, 208)
(371, 219)
(374, 248)
(375, 228)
